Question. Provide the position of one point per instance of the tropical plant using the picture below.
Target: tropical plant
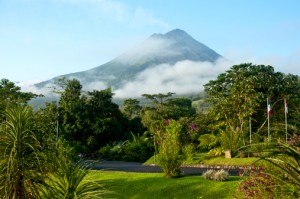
(69, 182)
(21, 158)
(209, 174)
(239, 95)
(169, 149)
(139, 149)
(208, 142)
(281, 163)
(221, 175)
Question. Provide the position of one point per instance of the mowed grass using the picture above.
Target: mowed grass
(202, 158)
(155, 185)
(230, 161)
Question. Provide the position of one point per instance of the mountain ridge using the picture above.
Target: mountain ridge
(169, 48)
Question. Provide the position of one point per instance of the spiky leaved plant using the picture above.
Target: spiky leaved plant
(21, 171)
(281, 163)
(70, 182)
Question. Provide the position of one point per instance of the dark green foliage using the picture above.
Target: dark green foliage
(90, 121)
(11, 94)
(139, 149)
(132, 108)
(164, 107)
(240, 94)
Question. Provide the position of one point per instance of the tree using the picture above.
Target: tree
(163, 107)
(106, 121)
(91, 120)
(132, 108)
(11, 94)
(71, 117)
(239, 95)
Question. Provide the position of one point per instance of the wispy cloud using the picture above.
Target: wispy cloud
(152, 47)
(182, 78)
(282, 63)
(121, 12)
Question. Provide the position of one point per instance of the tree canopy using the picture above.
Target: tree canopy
(239, 95)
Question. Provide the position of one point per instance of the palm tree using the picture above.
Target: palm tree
(20, 158)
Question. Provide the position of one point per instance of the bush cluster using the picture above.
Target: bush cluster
(220, 175)
(127, 151)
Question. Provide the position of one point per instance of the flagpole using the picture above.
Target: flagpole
(268, 109)
(285, 114)
(250, 129)
(57, 117)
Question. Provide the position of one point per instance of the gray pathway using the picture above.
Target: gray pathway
(139, 167)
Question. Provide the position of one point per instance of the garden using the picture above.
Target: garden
(247, 118)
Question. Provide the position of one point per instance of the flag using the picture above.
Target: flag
(269, 107)
(286, 106)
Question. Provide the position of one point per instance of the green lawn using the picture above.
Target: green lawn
(230, 161)
(155, 185)
(202, 158)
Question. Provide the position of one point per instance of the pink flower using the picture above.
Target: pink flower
(167, 122)
(193, 126)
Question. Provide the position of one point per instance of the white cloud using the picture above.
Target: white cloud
(152, 47)
(94, 86)
(29, 86)
(121, 12)
(289, 63)
(182, 78)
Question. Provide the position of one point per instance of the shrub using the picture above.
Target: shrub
(208, 175)
(257, 185)
(221, 175)
(188, 151)
(208, 142)
(137, 150)
(169, 149)
(280, 177)
(216, 151)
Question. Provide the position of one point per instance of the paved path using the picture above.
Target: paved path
(139, 167)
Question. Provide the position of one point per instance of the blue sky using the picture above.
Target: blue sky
(41, 39)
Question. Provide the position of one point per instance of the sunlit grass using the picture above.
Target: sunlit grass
(202, 158)
(155, 185)
(230, 161)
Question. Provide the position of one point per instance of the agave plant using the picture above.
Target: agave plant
(21, 171)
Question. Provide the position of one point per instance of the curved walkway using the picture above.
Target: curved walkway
(139, 167)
